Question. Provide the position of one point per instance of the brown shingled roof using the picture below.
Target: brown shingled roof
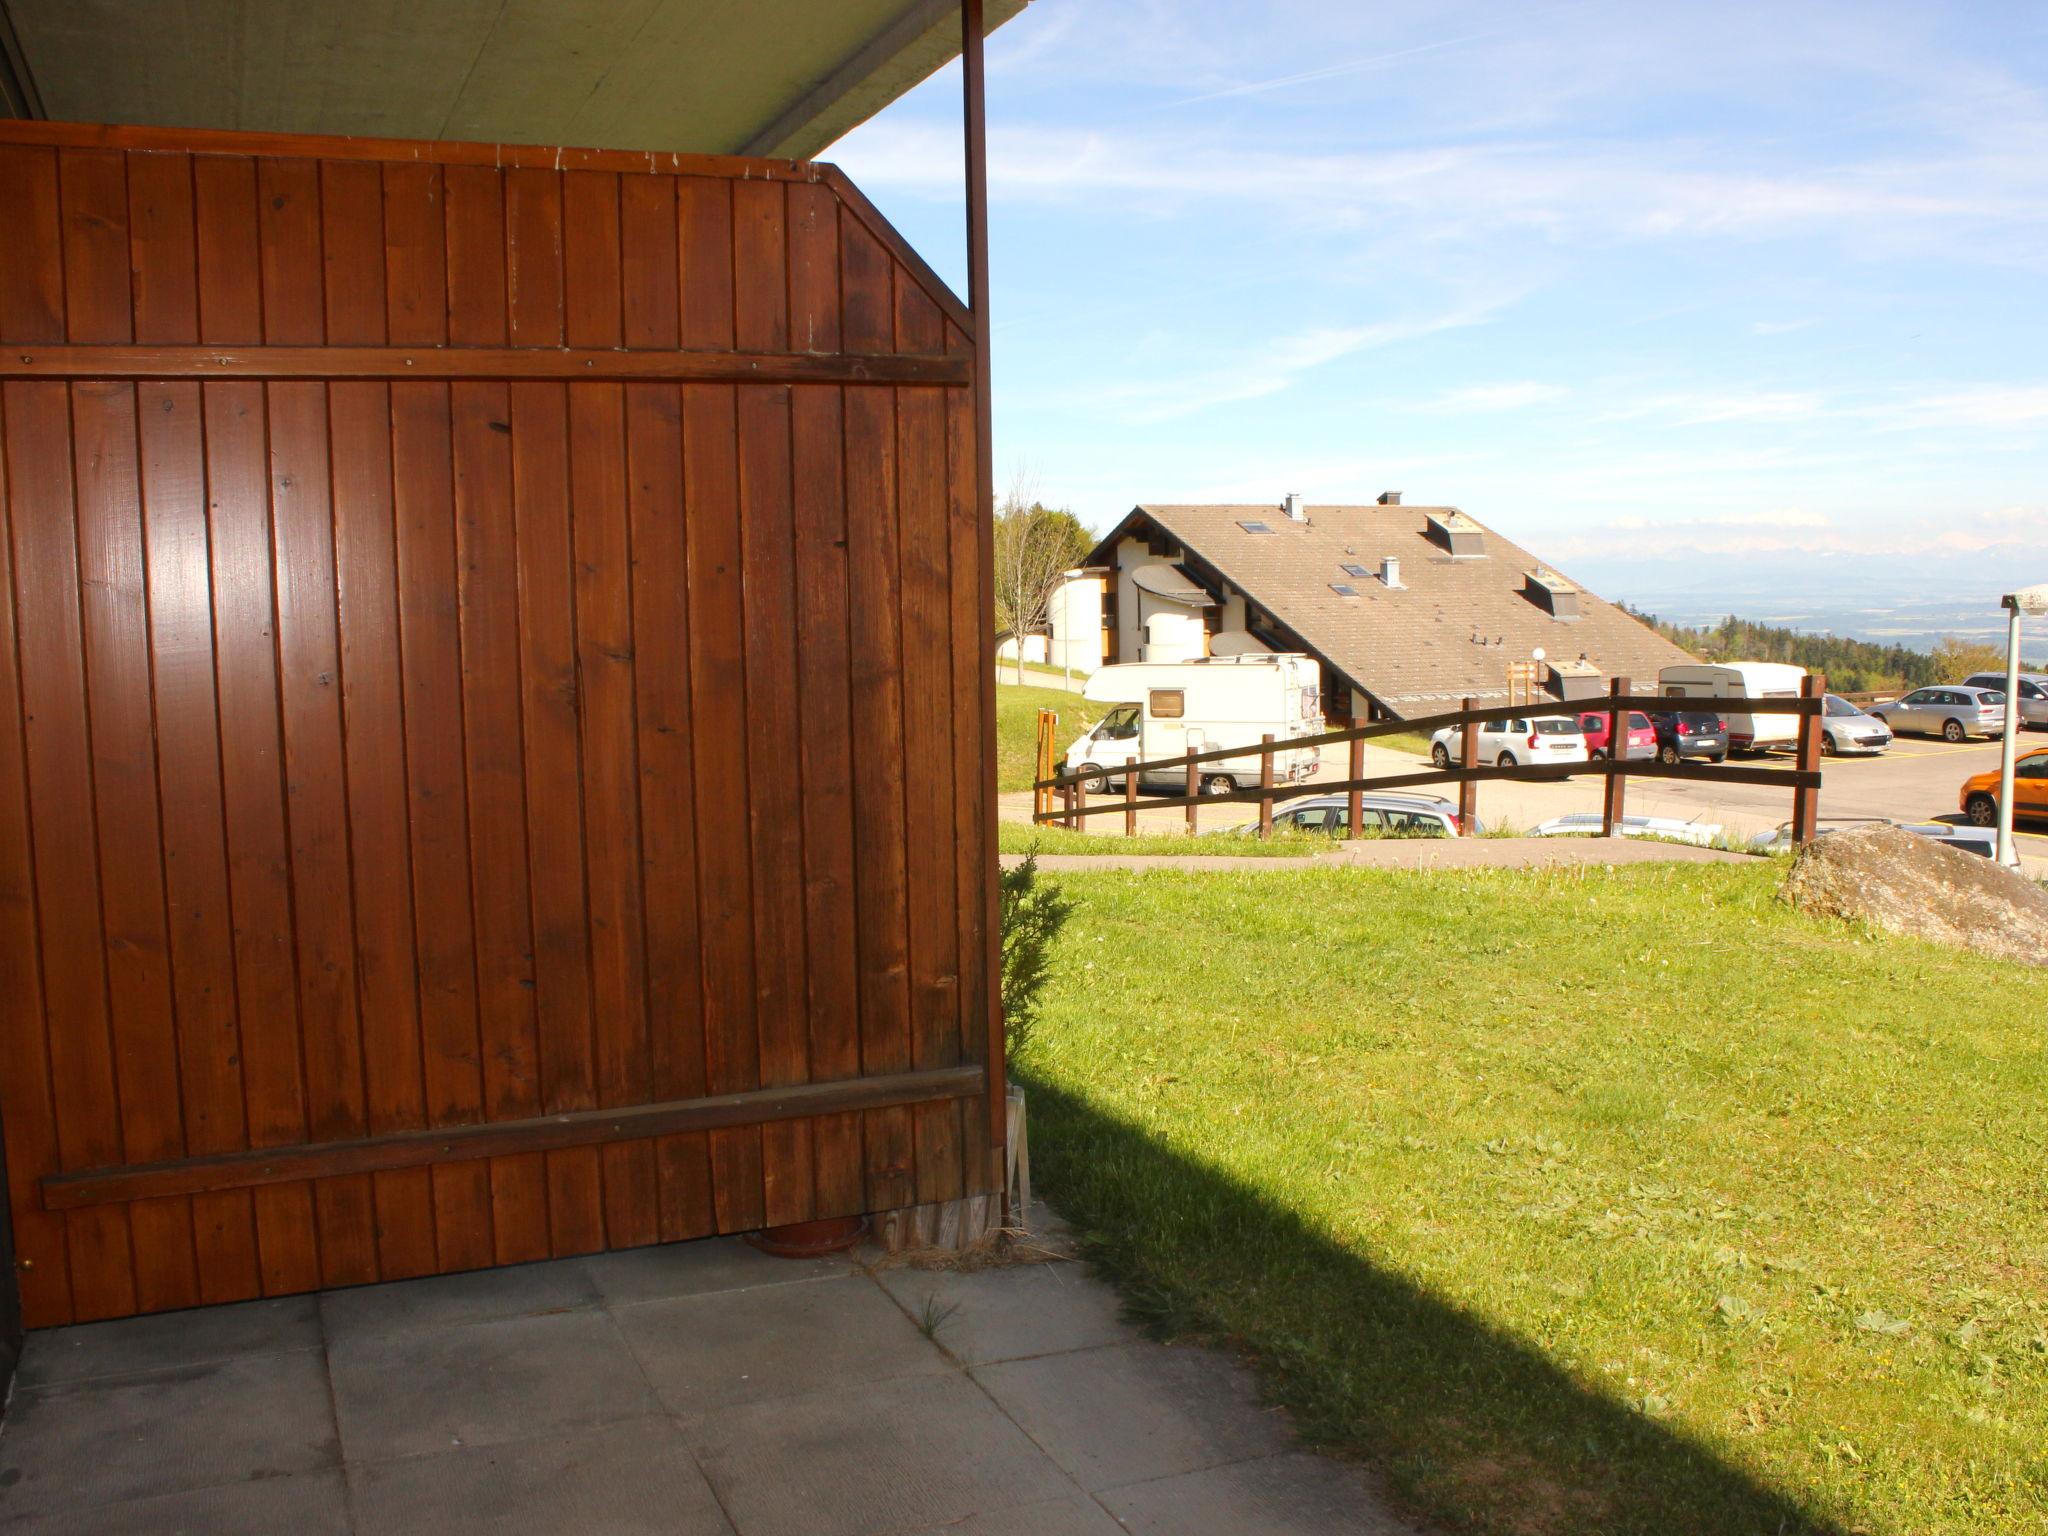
(1447, 632)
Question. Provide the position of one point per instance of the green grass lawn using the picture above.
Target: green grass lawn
(1578, 1201)
(1017, 728)
(1018, 837)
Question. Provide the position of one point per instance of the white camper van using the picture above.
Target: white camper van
(1173, 708)
(1741, 679)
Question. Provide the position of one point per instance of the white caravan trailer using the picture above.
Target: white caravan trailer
(1173, 708)
(1741, 679)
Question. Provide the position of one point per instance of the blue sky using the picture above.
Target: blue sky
(1752, 279)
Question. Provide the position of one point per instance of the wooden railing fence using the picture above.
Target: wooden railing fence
(1060, 797)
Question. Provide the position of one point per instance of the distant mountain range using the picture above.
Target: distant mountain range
(1912, 600)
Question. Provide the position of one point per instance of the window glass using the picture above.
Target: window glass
(1919, 696)
(1168, 703)
(1549, 726)
(1120, 724)
(1414, 824)
(1638, 721)
(1839, 706)
(2032, 768)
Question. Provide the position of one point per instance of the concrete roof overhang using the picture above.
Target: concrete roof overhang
(781, 78)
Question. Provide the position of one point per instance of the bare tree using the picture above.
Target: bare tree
(1034, 546)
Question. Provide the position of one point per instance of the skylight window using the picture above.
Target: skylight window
(1360, 571)
(1343, 590)
(1256, 527)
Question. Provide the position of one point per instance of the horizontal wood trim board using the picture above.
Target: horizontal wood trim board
(537, 157)
(1544, 773)
(466, 1143)
(533, 363)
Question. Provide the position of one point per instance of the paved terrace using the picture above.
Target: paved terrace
(699, 1389)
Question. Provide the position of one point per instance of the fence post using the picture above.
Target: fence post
(1806, 802)
(1077, 821)
(1468, 757)
(1356, 809)
(1194, 791)
(1266, 785)
(1130, 804)
(1617, 763)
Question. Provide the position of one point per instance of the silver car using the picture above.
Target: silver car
(1954, 712)
(2033, 695)
(1846, 728)
(1383, 815)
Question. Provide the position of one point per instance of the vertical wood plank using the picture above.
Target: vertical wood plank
(163, 246)
(437, 794)
(27, 1112)
(94, 190)
(661, 706)
(310, 688)
(874, 604)
(761, 323)
(817, 423)
(549, 685)
(63, 831)
(927, 743)
(594, 317)
(488, 574)
(718, 696)
(354, 243)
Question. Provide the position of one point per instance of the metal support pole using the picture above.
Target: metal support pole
(1266, 785)
(1468, 757)
(1615, 798)
(1806, 802)
(2008, 754)
(1194, 789)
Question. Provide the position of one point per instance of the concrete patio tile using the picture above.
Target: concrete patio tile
(407, 1394)
(699, 1267)
(1292, 1495)
(704, 1352)
(135, 1345)
(116, 1438)
(484, 1295)
(310, 1504)
(870, 1459)
(1077, 1516)
(1012, 1312)
(631, 1479)
(1133, 1412)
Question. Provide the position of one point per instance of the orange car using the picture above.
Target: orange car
(2029, 790)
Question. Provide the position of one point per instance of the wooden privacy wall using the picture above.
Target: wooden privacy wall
(493, 722)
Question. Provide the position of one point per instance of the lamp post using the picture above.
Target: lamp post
(2034, 602)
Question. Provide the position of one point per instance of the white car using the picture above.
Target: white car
(1588, 824)
(1523, 742)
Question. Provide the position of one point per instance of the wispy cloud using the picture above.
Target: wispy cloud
(1497, 397)
(1331, 71)
(1273, 366)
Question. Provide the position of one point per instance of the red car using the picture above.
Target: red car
(1642, 736)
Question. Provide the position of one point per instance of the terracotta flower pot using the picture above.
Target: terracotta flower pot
(810, 1239)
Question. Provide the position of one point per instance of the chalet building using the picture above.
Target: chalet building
(1409, 609)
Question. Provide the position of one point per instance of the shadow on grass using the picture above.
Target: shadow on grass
(1472, 1428)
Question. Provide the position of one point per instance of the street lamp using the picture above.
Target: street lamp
(2034, 602)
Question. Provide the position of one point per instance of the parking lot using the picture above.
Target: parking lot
(1915, 780)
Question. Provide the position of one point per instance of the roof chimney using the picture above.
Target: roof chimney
(1291, 505)
(1390, 571)
(1390, 498)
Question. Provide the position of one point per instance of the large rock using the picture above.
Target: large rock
(1916, 886)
